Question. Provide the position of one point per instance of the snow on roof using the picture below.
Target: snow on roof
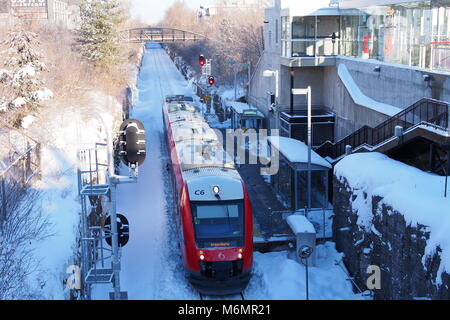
(300, 224)
(417, 195)
(241, 107)
(368, 3)
(360, 98)
(296, 151)
(197, 145)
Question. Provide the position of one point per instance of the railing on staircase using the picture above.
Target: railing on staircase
(427, 110)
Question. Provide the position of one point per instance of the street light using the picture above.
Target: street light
(304, 252)
(307, 92)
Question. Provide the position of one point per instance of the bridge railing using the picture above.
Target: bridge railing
(160, 35)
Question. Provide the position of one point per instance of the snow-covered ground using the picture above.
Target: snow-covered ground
(63, 133)
(151, 261)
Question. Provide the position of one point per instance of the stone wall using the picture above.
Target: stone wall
(390, 243)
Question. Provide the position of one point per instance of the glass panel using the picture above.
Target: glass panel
(319, 196)
(303, 27)
(327, 26)
(218, 223)
(327, 47)
(283, 184)
(303, 48)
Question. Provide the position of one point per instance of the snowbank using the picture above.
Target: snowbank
(27, 121)
(280, 278)
(66, 131)
(417, 195)
(300, 224)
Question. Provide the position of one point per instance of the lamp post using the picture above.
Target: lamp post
(307, 92)
(235, 69)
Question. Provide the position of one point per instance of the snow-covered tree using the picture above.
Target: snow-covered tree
(23, 88)
(100, 22)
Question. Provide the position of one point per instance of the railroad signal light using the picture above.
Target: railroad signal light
(123, 229)
(201, 60)
(211, 80)
(132, 145)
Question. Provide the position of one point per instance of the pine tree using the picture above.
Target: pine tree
(21, 80)
(100, 22)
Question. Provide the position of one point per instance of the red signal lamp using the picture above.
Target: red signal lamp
(201, 60)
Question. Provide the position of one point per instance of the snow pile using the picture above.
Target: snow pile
(27, 71)
(300, 224)
(68, 131)
(296, 151)
(417, 195)
(227, 93)
(27, 121)
(18, 102)
(280, 278)
(43, 94)
(360, 98)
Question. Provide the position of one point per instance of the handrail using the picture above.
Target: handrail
(425, 110)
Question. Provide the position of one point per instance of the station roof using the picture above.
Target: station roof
(347, 4)
(296, 152)
(245, 109)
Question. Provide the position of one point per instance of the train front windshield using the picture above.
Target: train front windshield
(218, 223)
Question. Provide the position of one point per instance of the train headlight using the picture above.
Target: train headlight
(239, 255)
(202, 257)
(216, 190)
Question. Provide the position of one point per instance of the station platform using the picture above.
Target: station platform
(269, 226)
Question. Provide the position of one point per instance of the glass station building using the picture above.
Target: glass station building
(413, 33)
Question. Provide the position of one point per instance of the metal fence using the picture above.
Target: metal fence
(425, 110)
(17, 174)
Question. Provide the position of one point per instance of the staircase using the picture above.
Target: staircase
(425, 112)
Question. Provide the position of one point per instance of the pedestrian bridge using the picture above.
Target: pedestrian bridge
(159, 35)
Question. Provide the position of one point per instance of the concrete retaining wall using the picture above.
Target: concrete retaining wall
(391, 244)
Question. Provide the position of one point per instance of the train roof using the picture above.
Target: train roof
(179, 98)
(198, 146)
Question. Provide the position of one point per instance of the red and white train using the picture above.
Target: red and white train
(214, 210)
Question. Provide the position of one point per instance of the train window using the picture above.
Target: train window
(217, 211)
(218, 222)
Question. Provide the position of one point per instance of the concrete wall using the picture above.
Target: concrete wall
(270, 60)
(396, 84)
(349, 115)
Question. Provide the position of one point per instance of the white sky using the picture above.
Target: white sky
(152, 11)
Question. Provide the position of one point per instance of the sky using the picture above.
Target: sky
(152, 11)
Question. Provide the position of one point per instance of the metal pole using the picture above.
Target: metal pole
(307, 282)
(448, 171)
(115, 243)
(309, 145)
(115, 264)
(277, 92)
(292, 97)
(235, 83)
(249, 75)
